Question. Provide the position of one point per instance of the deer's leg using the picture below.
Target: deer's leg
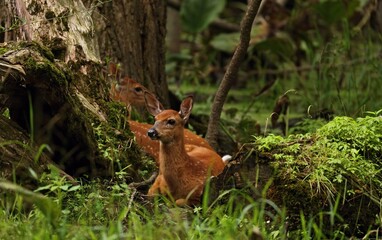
(159, 187)
(181, 202)
(192, 199)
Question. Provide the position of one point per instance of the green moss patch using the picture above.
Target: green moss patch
(338, 165)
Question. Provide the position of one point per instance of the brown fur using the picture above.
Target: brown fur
(131, 93)
(152, 147)
(183, 168)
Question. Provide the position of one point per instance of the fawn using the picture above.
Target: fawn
(132, 94)
(183, 169)
(129, 92)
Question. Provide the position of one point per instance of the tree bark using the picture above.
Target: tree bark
(44, 103)
(64, 25)
(133, 33)
(56, 90)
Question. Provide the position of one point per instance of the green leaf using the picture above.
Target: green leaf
(333, 11)
(65, 187)
(196, 15)
(226, 42)
(277, 45)
(74, 188)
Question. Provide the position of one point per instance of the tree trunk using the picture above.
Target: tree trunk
(132, 33)
(42, 98)
(63, 25)
(55, 87)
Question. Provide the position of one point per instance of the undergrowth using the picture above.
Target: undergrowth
(109, 211)
(338, 164)
(328, 185)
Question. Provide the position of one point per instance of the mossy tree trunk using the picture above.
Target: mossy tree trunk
(55, 87)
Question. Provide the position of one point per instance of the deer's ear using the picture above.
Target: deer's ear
(154, 107)
(186, 107)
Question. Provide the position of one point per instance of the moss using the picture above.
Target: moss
(295, 196)
(48, 71)
(362, 134)
(340, 162)
(118, 147)
(44, 51)
(117, 114)
(9, 46)
(3, 50)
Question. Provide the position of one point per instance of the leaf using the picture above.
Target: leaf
(50, 209)
(196, 15)
(40, 151)
(333, 11)
(74, 188)
(65, 187)
(226, 42)
(277, 45)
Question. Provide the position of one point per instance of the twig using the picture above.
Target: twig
(131, 198)
(145, 182)
(232, 72)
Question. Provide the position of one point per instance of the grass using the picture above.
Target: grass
(330, 171)
(95, 212)
(327, 172)
(112, 210)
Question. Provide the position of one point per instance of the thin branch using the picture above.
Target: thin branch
(232, 72)
(145, 182)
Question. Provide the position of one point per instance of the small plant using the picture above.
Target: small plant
(6, 113)
(57, 185)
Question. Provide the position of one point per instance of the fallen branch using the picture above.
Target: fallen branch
(149, 181)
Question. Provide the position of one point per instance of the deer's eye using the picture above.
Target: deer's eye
(171, 122)
(138, 89)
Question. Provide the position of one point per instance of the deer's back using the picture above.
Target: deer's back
(204, 158)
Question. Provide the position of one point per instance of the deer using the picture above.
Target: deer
(183, 168)
(128, 92)
(132, 94)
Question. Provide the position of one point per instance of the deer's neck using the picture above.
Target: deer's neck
(173, 155)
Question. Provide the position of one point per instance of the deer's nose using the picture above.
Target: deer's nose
(152, 133)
